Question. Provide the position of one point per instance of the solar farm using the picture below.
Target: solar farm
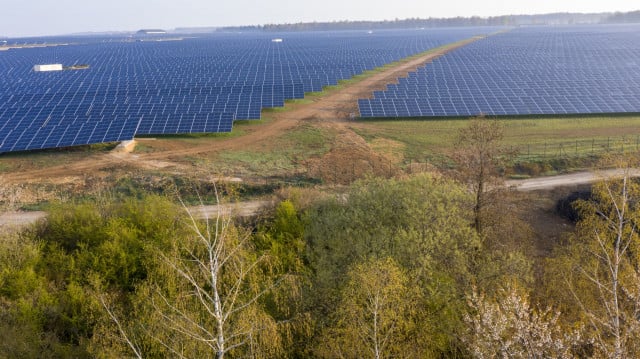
(115, 88)
(525, 71)
(147, 86)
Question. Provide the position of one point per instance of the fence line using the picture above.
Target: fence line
(577, 148)
(547, 150)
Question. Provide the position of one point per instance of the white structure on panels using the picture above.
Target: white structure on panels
(49, 67)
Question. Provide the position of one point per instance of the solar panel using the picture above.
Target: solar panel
(200, 84)
(527, 71)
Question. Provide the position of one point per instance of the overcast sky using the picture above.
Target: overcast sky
(53, 17)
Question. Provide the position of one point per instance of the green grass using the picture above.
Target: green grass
(537, 139)
(195, 138)
(293, 148)
(16, 161)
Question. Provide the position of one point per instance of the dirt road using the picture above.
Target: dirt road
(573, 179)
(250, 208)
(17, 219)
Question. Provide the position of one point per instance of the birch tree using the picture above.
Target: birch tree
(203, 298)
(608, 249)
(216, 306)
(373, 319)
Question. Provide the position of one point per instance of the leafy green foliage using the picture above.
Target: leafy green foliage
(119, 276)
(282, 237)
(422, 223)
(112, 239)
(601, 267)
(47, 285)
(374, 316)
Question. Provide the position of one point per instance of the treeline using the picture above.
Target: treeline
(416, 23)
(136, 277)
(623, 18)
(394, 268)
(410, 268)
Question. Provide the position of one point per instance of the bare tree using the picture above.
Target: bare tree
(480, 157)
(225, 278)
(608, 243)
(204, 298)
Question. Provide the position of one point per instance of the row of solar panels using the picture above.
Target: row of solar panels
(499, 106)
(199, 84)
(229, 96)
(526, 71)
(40, 132)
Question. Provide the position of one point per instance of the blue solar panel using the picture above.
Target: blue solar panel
(526, 71)
(200, 84)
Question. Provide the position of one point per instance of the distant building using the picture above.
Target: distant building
(48, 67)
(151, 32)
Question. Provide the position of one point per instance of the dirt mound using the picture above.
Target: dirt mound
(350, 159)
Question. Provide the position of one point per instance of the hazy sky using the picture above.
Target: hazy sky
(52, 17)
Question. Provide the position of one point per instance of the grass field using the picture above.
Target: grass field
(535, 139)
(293, 149)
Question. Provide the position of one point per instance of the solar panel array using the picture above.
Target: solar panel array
(525, 71)
(141, 85)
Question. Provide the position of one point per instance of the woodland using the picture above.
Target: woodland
(421, 266)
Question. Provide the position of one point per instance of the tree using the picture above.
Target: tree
(374, 317)
(480, 158)
(510, 327)
(206, 297)
(282, 236)
(424, 224)
(606, 251)
(23, 293)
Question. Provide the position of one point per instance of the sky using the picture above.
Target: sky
(20, 18)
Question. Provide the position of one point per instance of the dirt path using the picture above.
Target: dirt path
(333, 109)
(250, 208)
(574, 179)
(18, 219)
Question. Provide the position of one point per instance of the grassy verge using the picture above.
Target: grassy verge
(17, 161)
(286, 154)
(548, 144)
